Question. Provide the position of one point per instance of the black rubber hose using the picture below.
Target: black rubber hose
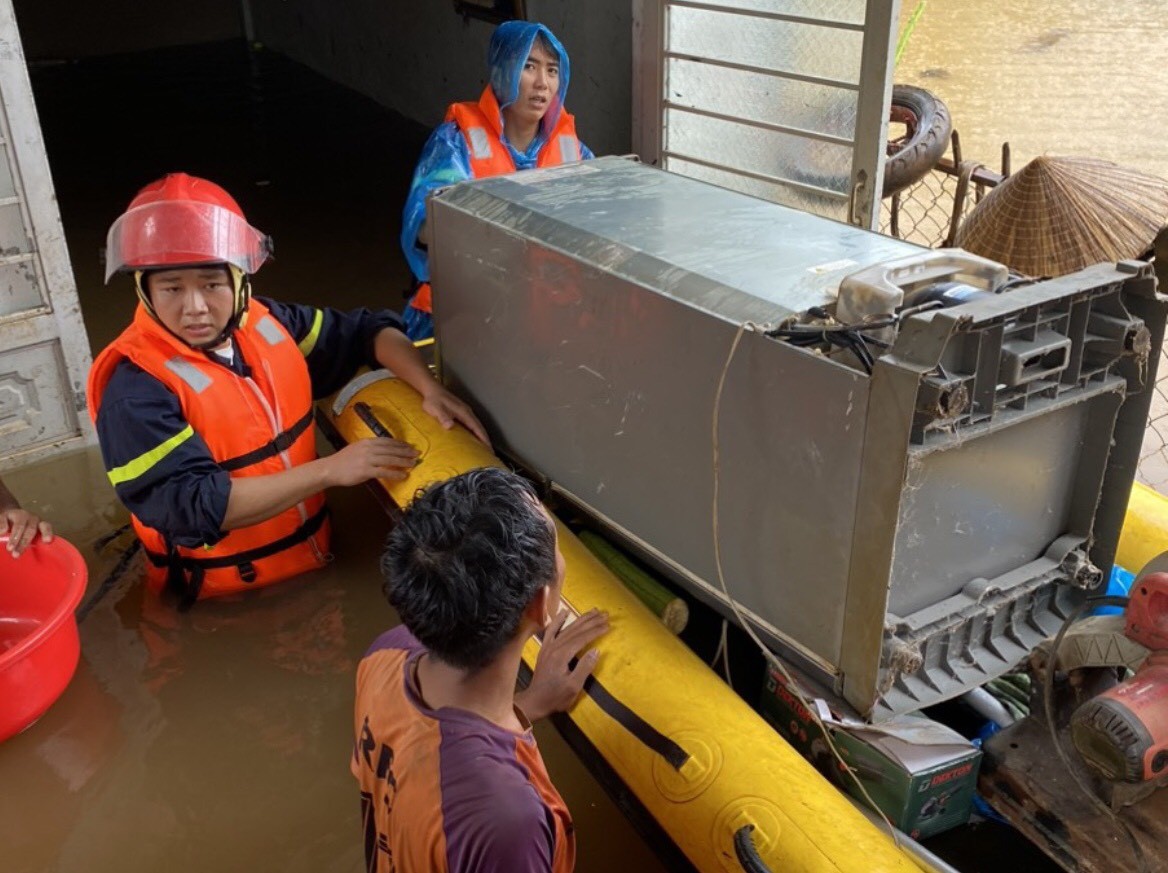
(746, 852)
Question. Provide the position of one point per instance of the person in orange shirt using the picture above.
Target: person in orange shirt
(19, 525)
(451, 778)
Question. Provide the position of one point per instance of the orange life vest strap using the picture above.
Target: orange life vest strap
(187, 589)
(280, 443)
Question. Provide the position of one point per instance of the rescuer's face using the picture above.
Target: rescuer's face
(194, 304)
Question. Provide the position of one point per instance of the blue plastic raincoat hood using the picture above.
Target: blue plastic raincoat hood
(510, 45)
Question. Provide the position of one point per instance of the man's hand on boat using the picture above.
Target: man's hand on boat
(561, 669)
(375, 458)
(447, 409)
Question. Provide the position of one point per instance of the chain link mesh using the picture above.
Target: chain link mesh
(1153, 467)
(923, 213)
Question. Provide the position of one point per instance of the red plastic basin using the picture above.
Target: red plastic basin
(39, 646)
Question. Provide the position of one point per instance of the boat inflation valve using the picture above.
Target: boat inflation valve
(696, 774)
(753, 817)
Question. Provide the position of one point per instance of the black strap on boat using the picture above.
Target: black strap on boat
(184, 573)
(674, 754)
(282, 442)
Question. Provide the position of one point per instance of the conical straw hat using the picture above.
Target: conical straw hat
(1057, 215)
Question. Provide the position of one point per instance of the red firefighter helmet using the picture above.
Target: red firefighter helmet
(183, 221)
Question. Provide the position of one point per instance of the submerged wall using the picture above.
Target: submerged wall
(413, 56)
(417, 57)
(69, 29)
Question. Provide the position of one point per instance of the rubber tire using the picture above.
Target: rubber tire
(920, 154)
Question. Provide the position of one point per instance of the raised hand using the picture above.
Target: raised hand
(447, 409)
(557, 681)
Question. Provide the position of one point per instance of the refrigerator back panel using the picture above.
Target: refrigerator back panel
(906, 533)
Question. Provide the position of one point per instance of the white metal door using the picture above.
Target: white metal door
(44, 351)
(782, 99)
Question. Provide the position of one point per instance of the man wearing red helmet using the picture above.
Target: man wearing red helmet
(203, 405)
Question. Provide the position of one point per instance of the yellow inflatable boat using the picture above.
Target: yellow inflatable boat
(701, 762)
(1145, 529)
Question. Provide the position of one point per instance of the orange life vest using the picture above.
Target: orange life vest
(481, 125)
(253, 426)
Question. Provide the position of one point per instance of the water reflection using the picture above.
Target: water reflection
(1076, 77)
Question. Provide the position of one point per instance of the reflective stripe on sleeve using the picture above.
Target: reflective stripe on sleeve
(309, 342)
(146, 460)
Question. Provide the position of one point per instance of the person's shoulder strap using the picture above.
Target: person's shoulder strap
(479, 125)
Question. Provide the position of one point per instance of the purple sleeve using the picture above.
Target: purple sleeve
(515, 843)
(493, 818)
(510, 834)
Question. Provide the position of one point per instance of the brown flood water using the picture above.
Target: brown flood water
(219, 740)
(1076, 77)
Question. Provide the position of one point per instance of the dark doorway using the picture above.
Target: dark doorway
(319, 167)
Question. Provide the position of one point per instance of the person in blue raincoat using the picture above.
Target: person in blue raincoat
(518, 123)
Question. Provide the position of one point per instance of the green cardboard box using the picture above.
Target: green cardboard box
(920, 773)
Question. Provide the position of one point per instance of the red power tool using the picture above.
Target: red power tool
(1123, 732)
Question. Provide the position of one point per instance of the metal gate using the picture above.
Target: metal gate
(44, 350)
(782, 99)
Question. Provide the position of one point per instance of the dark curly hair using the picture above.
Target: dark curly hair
(465, 560)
